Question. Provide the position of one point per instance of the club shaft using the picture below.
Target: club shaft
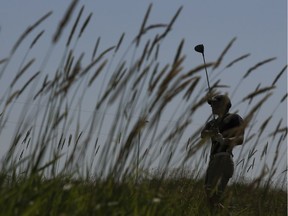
(207, 78)
(209, 88)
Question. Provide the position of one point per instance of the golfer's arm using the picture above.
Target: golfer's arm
(234, 136)
(233, 141)
(207, 133)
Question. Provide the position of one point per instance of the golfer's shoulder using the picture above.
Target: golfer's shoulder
(233, 117)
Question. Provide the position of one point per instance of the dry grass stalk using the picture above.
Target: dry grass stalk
(21, 38)
(114, 83)
(169, 27)
(60, 141)
(44, 85)
(119, 42)
(257, 65)
(264, 152)
(28, 82)
(140, 77)
(36, 39)
(241, 162)
(154, 44)
(99, 69)
(276, 155)
(143, 25)
(190, 90)
(3, 60)
(256, 89)
(219, 60)
(264, 125)
(27, 136)
(25, 68)
(85, 25)
(74, 26)
(251, 153)
(153, 83)
(175, 90)
(69, 78)
(128, 144)
(277, 129)
(12, 96)
(164, 84)
(95, 48)
(157, 52)
(279, 75)
(198, 104)
(237, 60)
(250, 70)
(178, 53)
(257, 181)
(20, 157)
(194, 149)
(70, 139)
(175, 70)
(144, 53)
(72, 74)
(117, 85)
(94, 62)
(154, 26)
(155, 70)
(178, 130)
(28, 30)
(59, 119)
(251, 166)
(258, 92)
(217, 85)
(197, 69)
(254, 109)
(64, 20)
(17, 93)
(284, 98)
(69, 62)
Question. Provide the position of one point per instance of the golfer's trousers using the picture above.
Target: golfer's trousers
(219, 171)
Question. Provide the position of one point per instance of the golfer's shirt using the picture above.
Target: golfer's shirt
(230, 125)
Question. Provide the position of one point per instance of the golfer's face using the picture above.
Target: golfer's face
(218, 107)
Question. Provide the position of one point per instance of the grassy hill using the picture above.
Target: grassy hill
(34, 195)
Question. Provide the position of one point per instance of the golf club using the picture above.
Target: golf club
(200, 49)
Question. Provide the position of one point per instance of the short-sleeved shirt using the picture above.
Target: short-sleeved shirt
(230, 125)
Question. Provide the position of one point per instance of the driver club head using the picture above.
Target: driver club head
(199, 48)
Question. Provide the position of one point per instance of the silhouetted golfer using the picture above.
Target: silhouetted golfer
(225, 131)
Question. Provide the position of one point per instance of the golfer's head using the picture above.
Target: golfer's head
(220, 104)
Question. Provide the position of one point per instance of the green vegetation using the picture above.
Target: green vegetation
(173, 196)
(59, 163)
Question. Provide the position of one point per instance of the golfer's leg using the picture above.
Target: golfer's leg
(211, 182)
(227, 174)
(223, 183)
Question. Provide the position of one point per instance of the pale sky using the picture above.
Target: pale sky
(260, 27)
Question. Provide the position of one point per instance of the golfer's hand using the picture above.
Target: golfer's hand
(208, 133)
(218, 138)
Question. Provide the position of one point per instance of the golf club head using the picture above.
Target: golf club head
(199, 48)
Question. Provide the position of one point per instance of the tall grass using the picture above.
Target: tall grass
(65, 159)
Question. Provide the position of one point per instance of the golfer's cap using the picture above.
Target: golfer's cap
(221, 99)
